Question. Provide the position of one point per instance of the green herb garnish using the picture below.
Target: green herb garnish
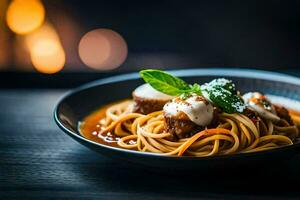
(168, 84)
(221, 91)
(224, 99)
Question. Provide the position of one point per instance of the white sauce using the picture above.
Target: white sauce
(264, 113)
(198, 111)
(148, 92)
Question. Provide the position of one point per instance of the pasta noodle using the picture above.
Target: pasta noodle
(234, 133)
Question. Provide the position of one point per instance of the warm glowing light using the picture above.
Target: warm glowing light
(102, 49)
(46, 52)
(47, 31)
(47, 56)
(25, 16)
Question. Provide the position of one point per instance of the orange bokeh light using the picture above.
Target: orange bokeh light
(102, 49)
(46, 31)
(47, 56)
(25, 16)
(46, 52)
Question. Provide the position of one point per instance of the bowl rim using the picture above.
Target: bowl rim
(233, 72)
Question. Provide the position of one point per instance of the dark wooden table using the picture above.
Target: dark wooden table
(37, 160)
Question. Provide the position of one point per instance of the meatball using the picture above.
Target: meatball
(283, 113)
(148, 100)
(260, 104)
(184, 117)
(180, 126)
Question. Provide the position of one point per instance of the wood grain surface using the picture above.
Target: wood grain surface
(38, 161)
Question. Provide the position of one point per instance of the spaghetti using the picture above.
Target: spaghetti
(234, 133)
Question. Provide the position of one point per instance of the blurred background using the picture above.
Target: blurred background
(55, 43)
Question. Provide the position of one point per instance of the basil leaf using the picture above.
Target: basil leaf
(223, 94)
(164, 82)
(226, 100)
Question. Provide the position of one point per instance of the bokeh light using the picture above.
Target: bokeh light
(102, 49)
(47, 31)
(46, 52)
(47, 56)
(25, 16)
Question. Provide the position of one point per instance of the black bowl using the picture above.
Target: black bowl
(77, 104)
